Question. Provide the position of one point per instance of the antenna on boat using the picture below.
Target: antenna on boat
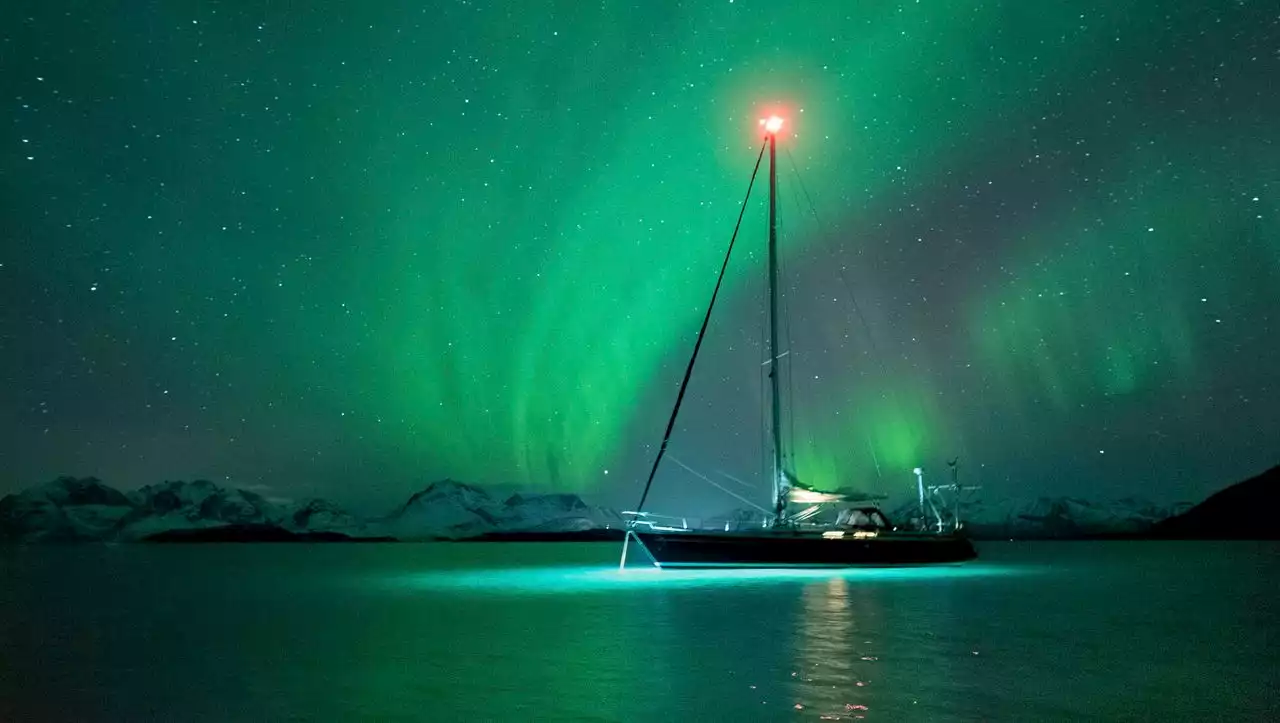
(954, 464)
(919, 473)
(926, 502)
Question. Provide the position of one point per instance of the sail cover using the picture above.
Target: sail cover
(803, 494)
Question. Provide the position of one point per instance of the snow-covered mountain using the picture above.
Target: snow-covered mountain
(528, 512)
(203, 504)
(317, 515)
(70, 509)
(64, 510)
(193, 505)
(444, 509)
(451, 510)
(1060, 517)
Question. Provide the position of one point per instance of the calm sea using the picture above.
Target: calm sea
(514, 632)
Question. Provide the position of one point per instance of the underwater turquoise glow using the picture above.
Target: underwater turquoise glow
(522, 581)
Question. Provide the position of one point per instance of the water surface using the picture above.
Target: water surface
(444, 632)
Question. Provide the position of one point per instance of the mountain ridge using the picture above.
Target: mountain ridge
(71, 509)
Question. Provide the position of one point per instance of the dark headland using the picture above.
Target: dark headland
(1244, 511)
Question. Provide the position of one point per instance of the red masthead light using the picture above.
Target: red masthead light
(772, 124)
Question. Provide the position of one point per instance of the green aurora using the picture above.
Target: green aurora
(347, 248)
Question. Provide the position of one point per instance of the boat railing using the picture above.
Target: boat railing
(732, 525)
(655, 521)
(943, 503)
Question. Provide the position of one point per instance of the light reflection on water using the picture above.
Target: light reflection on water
(830, 659)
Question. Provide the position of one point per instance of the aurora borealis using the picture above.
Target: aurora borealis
(347, 248)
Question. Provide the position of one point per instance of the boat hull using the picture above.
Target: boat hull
(789, 548)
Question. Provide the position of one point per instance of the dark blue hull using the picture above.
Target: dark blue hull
(791, 548)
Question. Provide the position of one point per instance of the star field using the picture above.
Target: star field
(343, 249)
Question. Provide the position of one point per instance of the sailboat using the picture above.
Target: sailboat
(860, 534)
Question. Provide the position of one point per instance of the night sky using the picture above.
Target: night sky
(344, 249)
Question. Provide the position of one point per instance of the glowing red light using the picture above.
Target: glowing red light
(772, 124)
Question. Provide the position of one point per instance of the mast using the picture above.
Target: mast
(772, 126)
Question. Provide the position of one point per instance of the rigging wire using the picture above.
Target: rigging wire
(763, 377)
(875, 459)
(718, 486)
(791, 384)
(853, 299)
(702, 332)
(748, 485)
(844, 280)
